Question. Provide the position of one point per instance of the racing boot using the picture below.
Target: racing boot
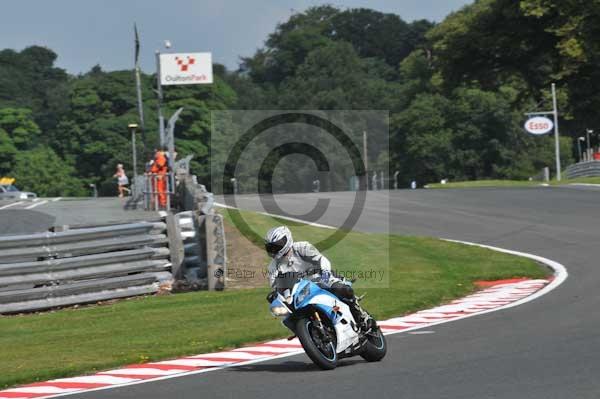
(363, 319)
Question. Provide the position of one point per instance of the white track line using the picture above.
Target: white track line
(291, 219)
(36, 204)
(560, 272)
(56, 199)
(418, 322)
(560, 275)
(9, 205)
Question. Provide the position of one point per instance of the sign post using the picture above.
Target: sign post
(132, 127)
(159, 93)
(588, 152)
(556, 138)
(138, 87)
(539, 125)
(178, 69)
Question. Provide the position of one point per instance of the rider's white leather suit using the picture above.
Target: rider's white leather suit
(302, 258)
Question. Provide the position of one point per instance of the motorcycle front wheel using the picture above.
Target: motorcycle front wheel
(319, 349)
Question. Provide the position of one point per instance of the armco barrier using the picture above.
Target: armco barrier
(583, 169)
(203, 265)
(83, 264)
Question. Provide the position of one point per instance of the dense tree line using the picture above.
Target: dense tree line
(456, 92)
(61, 133)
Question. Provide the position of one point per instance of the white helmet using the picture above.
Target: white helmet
(278, 241)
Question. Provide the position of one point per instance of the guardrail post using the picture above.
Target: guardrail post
(175, 245)
(215, 252)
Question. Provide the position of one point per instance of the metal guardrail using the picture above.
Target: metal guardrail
(70, 236)
(583, 169)
(203, 262)
(27, 300)
(84, 264)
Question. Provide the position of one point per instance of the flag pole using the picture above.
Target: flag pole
(138, 86)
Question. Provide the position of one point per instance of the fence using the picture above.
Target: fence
(82, 264)
(583, 169)
(85, 264)
(158, 191)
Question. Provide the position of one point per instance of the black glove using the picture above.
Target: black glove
(271, 297)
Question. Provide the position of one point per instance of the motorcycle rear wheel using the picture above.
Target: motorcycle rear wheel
(322, 354)
(375, 347)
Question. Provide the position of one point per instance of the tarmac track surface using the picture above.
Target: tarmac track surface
(546, 349)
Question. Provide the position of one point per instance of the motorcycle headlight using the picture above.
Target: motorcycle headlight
(279, 311)
(303, 294)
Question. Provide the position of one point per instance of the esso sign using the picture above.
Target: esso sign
(539, 125)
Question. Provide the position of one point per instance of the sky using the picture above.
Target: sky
(84, 33)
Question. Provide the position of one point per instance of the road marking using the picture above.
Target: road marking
(56, 199)
(9, 205)
(96, 379)
(36, 204)
(560, 272)
(41, 390)
(291, 219)
(191, 365)
(476, 304)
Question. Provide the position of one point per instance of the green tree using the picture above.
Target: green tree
(45, 173)
(18, 132)
(29, 79)
(20, 127)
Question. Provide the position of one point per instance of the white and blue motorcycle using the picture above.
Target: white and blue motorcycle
(325, 325)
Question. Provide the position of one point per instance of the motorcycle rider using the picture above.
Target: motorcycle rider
(302, 257)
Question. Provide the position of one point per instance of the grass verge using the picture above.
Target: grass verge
(586, 180)
(485, 183)
(511, 183)
(421, 272)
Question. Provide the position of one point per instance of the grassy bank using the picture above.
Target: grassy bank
(485, 183)
(419, 273)
(585, 180)
(511, 183)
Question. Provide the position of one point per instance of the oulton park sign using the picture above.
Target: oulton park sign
(186, 69)
(539, 125)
